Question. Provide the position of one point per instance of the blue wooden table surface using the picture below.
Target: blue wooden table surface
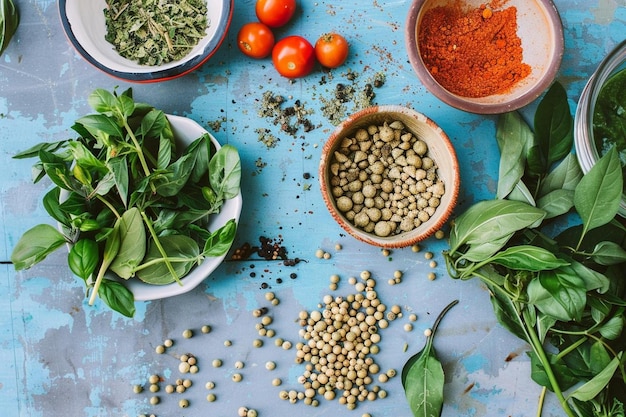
(60, 357)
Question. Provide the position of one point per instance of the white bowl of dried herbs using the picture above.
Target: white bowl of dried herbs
(147, 203)
(147, 40)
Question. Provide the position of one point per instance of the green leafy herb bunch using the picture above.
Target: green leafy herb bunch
(129, 201)
(552, 253)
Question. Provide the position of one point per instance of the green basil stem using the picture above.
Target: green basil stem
(157, 242)
(542, 398)
(142, 157)
(164, 259)
(109, 205)
(541, 354)
(535, 343)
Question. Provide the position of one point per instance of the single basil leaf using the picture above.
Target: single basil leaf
(173, 179)
(490, 220)
(225, 172)
(102, 101)
(482, 252)
(132, 244)
(598, 194)
(83, 258)
(543, 325)
(554, 125)
(521, 193)
(35, 244)
(118, 297)
(53, 206)
(608, 253)
(34, 151)
(613, 328)
(556, 203)
(593, 280)
(512, 135)
(201, 148)
(423, 377)
(221, 240)
(559, 294)
(118, 167)
(152, 124)
(593, 387)
(9, 21)
(75, 205)
(565, 176)
(164, 156)
(97, 124)
(528, 258)
(125, 106)
(182, 252)
(105, 184)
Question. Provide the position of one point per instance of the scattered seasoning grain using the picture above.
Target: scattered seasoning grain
(154, 400)
(228, 343)
(413, 317)
(137, 389)
(408, 327)
(433, 264)
(428, 255)
(440, 234)
(205, 329)
(239, 365)
(169, 388)
(154, 388)
(270, 365)
(428, 332)
(209, 385)
(216, 363)
(257, 343)
(237, 377)
(319, 253)
(160, 349)
(168, 343)
(187, 333)
(211, 397)
(277, 382)
(183, 403)
(415, 248)
(432, 276)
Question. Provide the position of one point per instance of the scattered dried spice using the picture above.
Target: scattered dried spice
(154, 32)
(472, 53)
(266, 137)
(289, 118)
(269, 249)
(351, 97)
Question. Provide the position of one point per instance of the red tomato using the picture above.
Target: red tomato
(293, 56)
(331, 50)
(275, 13)
(255, 39)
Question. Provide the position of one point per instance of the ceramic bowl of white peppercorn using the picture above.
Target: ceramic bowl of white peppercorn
(147, 43)
(389, 176)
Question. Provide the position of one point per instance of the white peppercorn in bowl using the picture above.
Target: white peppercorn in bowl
(389, 176)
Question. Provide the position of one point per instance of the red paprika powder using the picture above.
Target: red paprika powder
(472, 53)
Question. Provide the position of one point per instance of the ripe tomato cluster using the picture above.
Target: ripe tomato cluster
(293, 56)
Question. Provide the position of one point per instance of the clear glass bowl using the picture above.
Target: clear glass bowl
(586, 150)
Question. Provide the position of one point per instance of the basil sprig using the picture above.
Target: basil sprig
(9, 20)
(135, 206)
(553, 255)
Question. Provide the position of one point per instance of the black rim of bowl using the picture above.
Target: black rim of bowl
(153, 76)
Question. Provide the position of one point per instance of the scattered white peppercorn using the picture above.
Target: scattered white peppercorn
(228, 343)
(183, 403)
(205, 329)
(154, 400)
(237, 377)
(160, 349)
(431, 276)
(168, 343)
(187, 333)
(211, 397)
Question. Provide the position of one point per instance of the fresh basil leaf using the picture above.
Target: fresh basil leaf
(484, 251)
(490, 220)
(512, 135)
(75, 205)
(556, 202)
(593, 280)
(598, 194)
(53, 206)
(84, 158)
(118, 297)
(613, 328)
(554, 125)
(35, 244)
(559, 294)
(201, 148)
(521, 193)
(565, 377)
(173, 179)
(118, 167)
(423, 377)
(34, 150)
(225, 172)
(528, 258)
(125, 106)
(593, 387)
(132, 244)
(565, 176)
(9, 21)
(164, 156)
(608, 253)
(102, 101)
(182, 252)
(99, 125)
(105, 184)
(221, 240)
(152, 124)
(83, 258)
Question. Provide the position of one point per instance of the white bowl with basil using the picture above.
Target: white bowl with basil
(147, 203)
(120, 39)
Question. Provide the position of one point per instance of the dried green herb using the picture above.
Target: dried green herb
(9, 20)
(154, 32)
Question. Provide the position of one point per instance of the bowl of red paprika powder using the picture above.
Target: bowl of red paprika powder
(485, 57)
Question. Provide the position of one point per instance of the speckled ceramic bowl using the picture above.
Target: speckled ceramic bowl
(186, 131)
(541, 33)
(85, 28)
(440, 150)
